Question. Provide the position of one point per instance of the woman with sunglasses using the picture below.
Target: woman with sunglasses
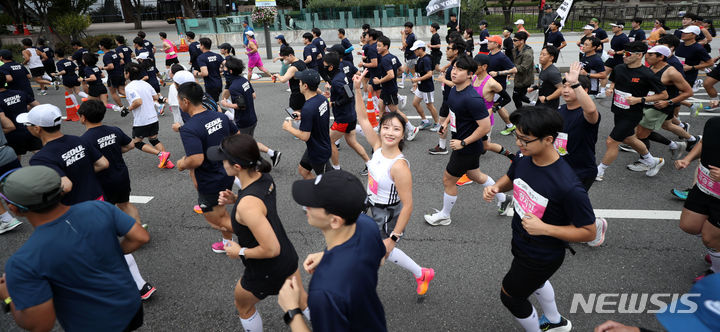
(658, 30)
(263, 246)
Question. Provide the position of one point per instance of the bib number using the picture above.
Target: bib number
(453, 128)
(526, 200)
(372, 184)
(706, 184)
(561, 143)
(620, 99)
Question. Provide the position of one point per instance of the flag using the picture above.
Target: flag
(438, 5)
(564, 10)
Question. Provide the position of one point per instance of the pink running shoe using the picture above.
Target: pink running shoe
(197, 209)
(424, 281)
(169, 164)
(218, 247)
(707, 259)
(164, 156)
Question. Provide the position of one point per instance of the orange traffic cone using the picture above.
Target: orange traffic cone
(26, 32)
(183, 45)
(372, 115)
(70, 108)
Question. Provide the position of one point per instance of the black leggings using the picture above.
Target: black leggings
(504, 98)
(525, 276)
(518, 97)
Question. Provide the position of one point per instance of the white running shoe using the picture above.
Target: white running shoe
(600, 229)
(677, 153)
(411, 135)
(435, 127)
(659, 162)
(639, 166)
(601, 94)
(599, 177)
(403, 101)
(437, 219)
(6, 226)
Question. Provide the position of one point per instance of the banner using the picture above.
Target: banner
(564, 10)
(437, 5)
(265, 3)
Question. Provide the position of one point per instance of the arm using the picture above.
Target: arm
(562, 45)
(26, 57)
(701, 65)
(36, 318)
(127, 148)
(134, 239)
(556, 94)
(682, 85)
(66, 184)
(135, 104)
(708, 37)
(302, 135)
(362, 117)
(308, 59)
(502, 185)
(7, 124)
(288, 75)
(192, 162)
(402, 177)
(251, 211)
(204, 71)
(569, 233)
(44, 57)
(692, 155)
(482, 130)
(100, 164)
(390, 75)
(373, 63)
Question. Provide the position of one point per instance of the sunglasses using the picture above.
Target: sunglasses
(628, 53)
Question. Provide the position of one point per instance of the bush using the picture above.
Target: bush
(90, 43)
(72, 25)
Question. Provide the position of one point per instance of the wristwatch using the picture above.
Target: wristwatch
(242, 251)
(671, 103)
(6, 304)
(290, 314)
(396, 237)
(462, 142)
(642, 100)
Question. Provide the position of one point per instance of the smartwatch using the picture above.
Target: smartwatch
(242, 251)
(290, 314)
(671, 103)
(462, 143)
(396, 237)
(642, 100)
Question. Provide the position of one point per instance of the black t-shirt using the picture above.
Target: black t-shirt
(294, 82)
(618, 45)
(320, 44)
(470, 46)
(636, 35)
(195, 51)
(554, 38)
(149, 47)
(499, 62)
(19, 75)
(242, 89)
(600, 34)
(448, 77)
(389, 62)
(71, 157)
(579, 146)
(315, 119)
(348, 68)
(593, 64)
(548, 80)
(691, 55)
(200, 132)
(77, 57)
(636, 82)
(507, 46)
(710, 154)
(94, 71)
(109, 141)
(424, 65)
(409, 41)
(554, 194)
(348, 55)
(312, 51)
(13, 103)
(452, 26)
(466, 108)
(151, 72)
(372, 53)
(484, 34)
(126, 53)
(435, 40)
(49, 52)
(112, 57)
(343, 105)
(212, 61)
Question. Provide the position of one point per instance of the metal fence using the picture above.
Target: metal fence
(671, 12)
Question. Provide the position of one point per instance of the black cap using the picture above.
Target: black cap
(483, 22)
(338, 192)
(308, 76)
(6, 54)
(482, 59)
(338, 48)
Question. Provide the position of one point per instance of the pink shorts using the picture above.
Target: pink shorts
(254, 61)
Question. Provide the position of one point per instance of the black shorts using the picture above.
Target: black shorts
(116, 193)
(96, 90)
(588, 182)
(50, 67)
(702, 203)
(208, 201)
(318, 168)
(526, 275)
(23, 142)
(625, 124)
(297, 101)
(214, 92)
(248, 130)
(389, 98)
(375, 87)
(264, 282)
(10, 166)
(71, 84)
(116, 81)
(37, 72)
(170, 62)
(435, 60)
(459, 163)
(715, 73)
(155, 86)
(612, 62)
(444, 110)
(146, 131)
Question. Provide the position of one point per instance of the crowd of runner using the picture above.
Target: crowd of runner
(551, 168)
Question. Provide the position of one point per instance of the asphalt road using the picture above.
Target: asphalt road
(470, 257)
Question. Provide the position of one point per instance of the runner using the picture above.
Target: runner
(297, 100)
(48, 62)
(425, 90)
(387, 80)
(126, 54)
(34, 58)
(454, 48)
(598, 32)
(142, 97)
(209, 67)
(468, 122)
(170, 50)
(469, 42)
(659, 29)
(693, 56)
(114, 180)
(483, 36)
(557, 212)
(319, 43)
(521, 26)
(587, 34)
(227, 51)
(8, 161)
(549, 81)
(203, 129)
(263, 246)
(487, 88)
(150, 74)
(555, 37)
(617, 47)
(592, 65)
(310, 52)
(16, 75)
(194, 51)
(77, 56)
(254, 60)
(372, 62)
(525, 65)
(93, 78)
(12, 104)
(636, 33)
(435, 52)
(148, 46)
(314, 127)
(500, 66)
(347, 45)
(347, 67)
(507, 45)
(713, 77)
(114, 68)
(701, 214)
(408, 40)
(284, 66)
(631, 83)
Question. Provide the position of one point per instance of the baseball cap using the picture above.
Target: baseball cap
(483, 22)
(495, 39)
(705, 318)
(661, 49)
(309, 76)
(281, 37)
(338, 49)
(520, 21)
(6, 54)
(482, 59)
(691, 29)
(183, 76)
(31, 187)
(43, 115)
(588, 27)
(337, 191)
(620, 24)
(143, 55)
(250, 33)
(417, 44)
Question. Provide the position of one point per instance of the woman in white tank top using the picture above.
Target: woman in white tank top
(389, 186)
(33, 58)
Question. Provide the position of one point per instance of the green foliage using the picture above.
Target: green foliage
(90, 43)
(314, 4)
(294, 4)
(72, 25)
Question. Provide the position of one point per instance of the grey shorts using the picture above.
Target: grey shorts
(386, 218)
(410, 63)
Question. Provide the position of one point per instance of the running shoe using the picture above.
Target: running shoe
(696, 108)
(337, 144)
(287, 90)
(437, 219)
(677, 153)
(686, 128)
(124, 112)
(424, 281)
(698, 84)
(435, 127)
(639, 166)
(161, 100)
(276, 158)
(601, 94)
(56, 84)
(43, 92)
(401, 84)
(502, 206)
(163, 157)
(218, 247)
(563, 325)
(6, 226)
(626, 147)
(424, 125)
(147, 291)
(599, 177)
(364, 172)
(681, 194)
(690, 145)
(659, 163)
(463, 181)
(705, 274)
(600, 229)
(169, 164)
(437, 150)
(197, 209)
(403, 100)
(508, 130)
(411, 134)
(707, 259)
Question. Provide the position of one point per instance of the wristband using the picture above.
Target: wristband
(242, 252)
(575, 86)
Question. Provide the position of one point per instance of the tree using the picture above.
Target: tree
(506, 7)
(188, 8)
(471, 12)
(131, 11)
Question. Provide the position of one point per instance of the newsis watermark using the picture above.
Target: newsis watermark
(633, 303)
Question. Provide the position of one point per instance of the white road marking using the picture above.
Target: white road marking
(140, 199)
(631, 214)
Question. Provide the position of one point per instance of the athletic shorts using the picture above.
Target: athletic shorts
(170, 62)
(625, 124)
(116, 81)
(526, 275)
(146, 131)
(96, 90)
(263, 282)
(71, 84)
(37, 72)
(702, 203)
(156, 86)
(459, 163)
(344, 127)
(207, 201)
(23, 142)
(10, 166)
(715, 73)
(386, 218)
(297, 101)
(653, 119)
(410, 64)
(214, 92)
(427, 97)
(248, 130)
(612, 62)
(318, 168)
(588, 182)
(375, 87)
(389, 98)
(117, 193)
(50, 67)
(435, 60)
(444, 110)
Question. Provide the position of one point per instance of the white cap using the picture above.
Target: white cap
(520, 21)
(44, 115)
(183, 76)
(691, 29)
(249, 33)
(662, 49)
(417, 44)
(143, 55)
(616, 25)
(588, 27)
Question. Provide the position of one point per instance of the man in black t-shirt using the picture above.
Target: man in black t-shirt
(408, 40)
(387, 80)
(592, 65)
(425, 90)
(452, 25)
(12, 104)
(617, 45)
(297, 100)
(454, 48)
(549, 81)
(435, 53)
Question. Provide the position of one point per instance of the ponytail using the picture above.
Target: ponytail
(263, 166)
(232, 50)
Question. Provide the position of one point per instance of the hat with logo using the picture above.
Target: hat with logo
(704, 296)
(495, 39)
(337, 191)
(691, 29)
(31, 187)
(308, 76)
(661, 49)
(43, 115)
(520, 21)
(183, 76)
(417, 44)
(250, 33)
(482, 59)
(619, 24)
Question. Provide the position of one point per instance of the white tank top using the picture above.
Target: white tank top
(35, 60)
(381, 187)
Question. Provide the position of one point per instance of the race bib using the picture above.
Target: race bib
(707, 184)
(372, 184)
(550, 44)
(526, 200)
(561, 143)
(452, 122)
(620, 99)
(650, 103)
(632, 39)
(171, 53)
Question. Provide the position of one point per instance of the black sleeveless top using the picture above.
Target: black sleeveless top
(295, 83)
(672, 91)
(264, 189)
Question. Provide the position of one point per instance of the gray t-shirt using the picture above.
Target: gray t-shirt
(549, 78)
(7, 154)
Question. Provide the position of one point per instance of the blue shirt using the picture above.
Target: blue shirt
(499, 62)
(320, 44)
(554, 194)
(484, 34)
(372, 53)
(149, 47)
(387, 63)
(599, 33)
(76, 260)
(109, 141)
(312, 51)
(126, 54)
(673, 61)
(151, 72)
(555, 38)
(70, 156)
(19, 75)
(343, 106)
(77, 57)
(13, 103)
(691, 55)
(409, 41)
(638, 34)
(466, 107)
(112, 57)
(93, 71)
(195, 51)
(342, 295)
(212, 61)
(581, 140)
(617, 44)
(424, 65)
(593, 64)
(70, 77)
(200, 132)
(348, 56)
(315, 119)
(242, 89)
(348, 68)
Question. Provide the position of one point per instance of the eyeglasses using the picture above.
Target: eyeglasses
(2, 182)
(515, 39)
(524, 141)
